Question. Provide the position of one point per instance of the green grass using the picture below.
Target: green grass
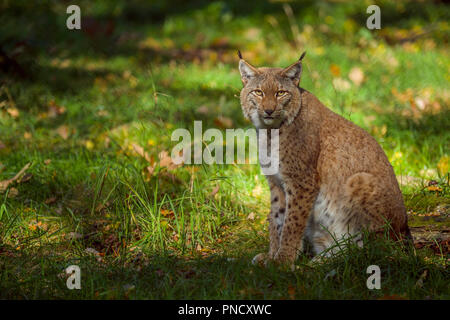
(186, 233)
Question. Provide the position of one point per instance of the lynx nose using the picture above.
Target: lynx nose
(268, 112)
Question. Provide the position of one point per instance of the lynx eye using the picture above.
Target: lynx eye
(258, 93)
(281, 93)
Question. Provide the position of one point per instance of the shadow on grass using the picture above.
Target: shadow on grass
(152, 275)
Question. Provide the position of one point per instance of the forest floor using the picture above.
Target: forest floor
(86, 118)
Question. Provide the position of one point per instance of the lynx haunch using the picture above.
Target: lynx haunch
(334, 179)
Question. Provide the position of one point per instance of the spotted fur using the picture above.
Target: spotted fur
(334, 178)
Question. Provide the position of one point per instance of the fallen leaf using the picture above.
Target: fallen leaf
(392, 62)
(203, 110)
(13, 192)
(223, 122)
(101, 206)
(291, 292)
(140, 151)
(63, 131)
(434, 188)
(215, 190)
(335, 70)
(341, 84)
(166, 161)
(150, 170)
(55, 110)
(443, 165)
(403, 96)
(50, 200)
(257, 191)
(167, 213)
(13, 112)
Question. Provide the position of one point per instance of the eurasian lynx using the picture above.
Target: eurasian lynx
(334, 179)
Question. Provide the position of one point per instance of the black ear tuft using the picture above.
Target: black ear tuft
(239, 54)
(302, 56)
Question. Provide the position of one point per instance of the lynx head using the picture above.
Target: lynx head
(270, 96)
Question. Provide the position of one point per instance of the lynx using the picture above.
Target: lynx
(334, 179)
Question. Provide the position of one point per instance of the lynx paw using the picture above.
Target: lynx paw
(259, 259)
(285, 260)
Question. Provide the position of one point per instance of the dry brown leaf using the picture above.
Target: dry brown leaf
(356, 75)
(140, 151)
(13, 112)
(444, 165)
(150, 170)
(203, 110)
(215, 190)
(50, 200)
(257, 191)
(166, 161)
(335, 70)
(54, 110)
(5, 183)
(167, 213)
(392, 62)
(101, 206)
(223, 122)
(341, 84)
(403, 96)
(291, 292)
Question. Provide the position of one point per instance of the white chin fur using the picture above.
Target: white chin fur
(268, 121)
(256, 120)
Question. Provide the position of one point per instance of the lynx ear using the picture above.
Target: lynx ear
(294, 71)
(247, 71)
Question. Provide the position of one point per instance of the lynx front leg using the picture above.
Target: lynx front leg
(300, 199)
(276, 220)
